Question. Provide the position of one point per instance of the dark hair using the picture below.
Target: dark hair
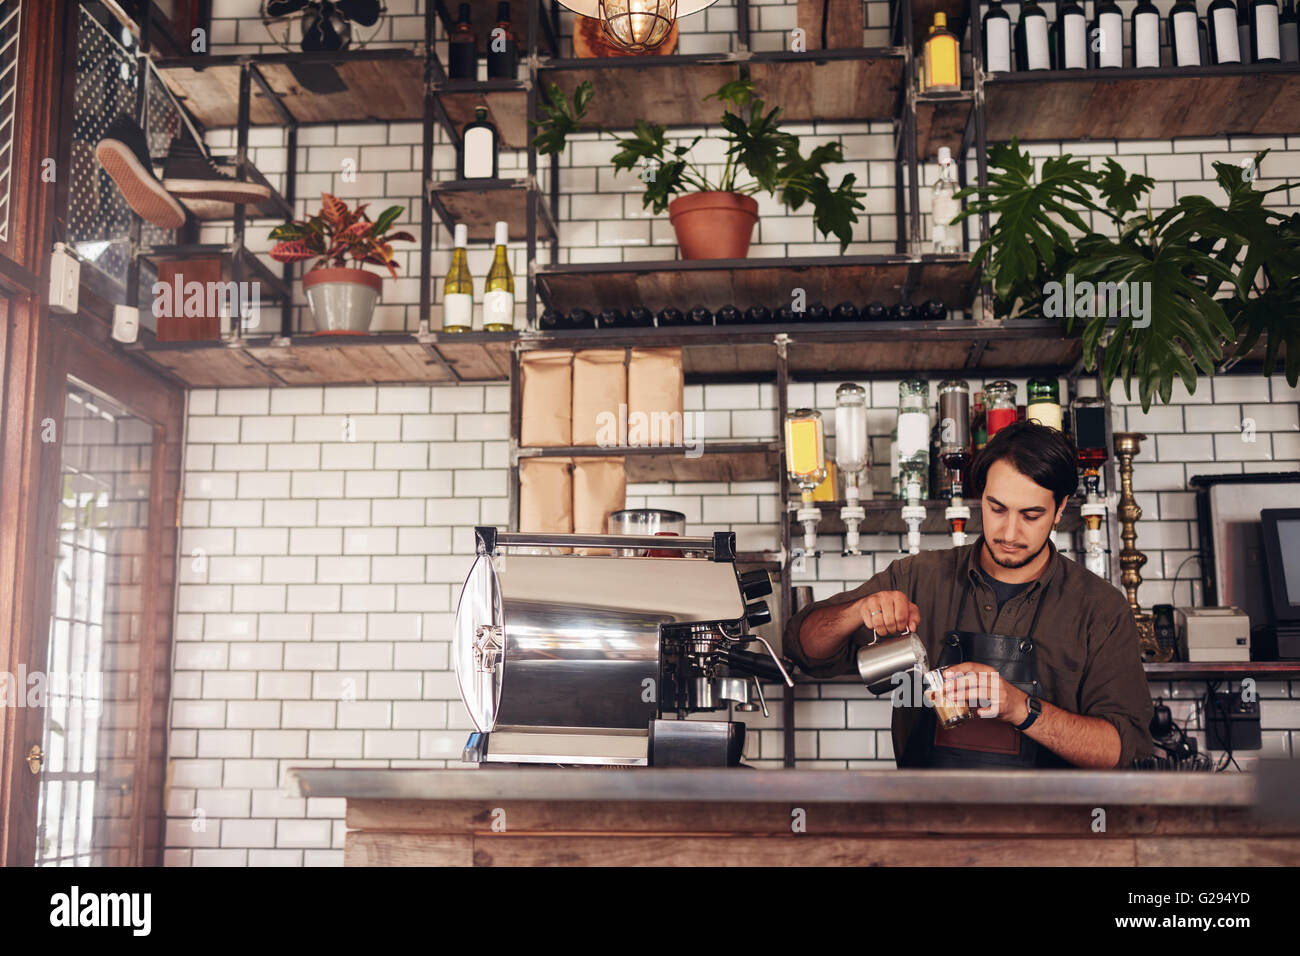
(1043, 455)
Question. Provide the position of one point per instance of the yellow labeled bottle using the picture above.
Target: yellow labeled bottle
(458, 292)
(941, 70)
(499, 294)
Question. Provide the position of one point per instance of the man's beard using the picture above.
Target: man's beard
(1013, 564)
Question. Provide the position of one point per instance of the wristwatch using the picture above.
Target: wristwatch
(1035, 708)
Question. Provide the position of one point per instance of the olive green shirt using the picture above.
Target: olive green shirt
(1085, 640)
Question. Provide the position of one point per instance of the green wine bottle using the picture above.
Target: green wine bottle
(458, 292)
(499, 294)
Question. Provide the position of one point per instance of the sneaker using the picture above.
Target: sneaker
(190, 174)
(364, 12)
(124, 153)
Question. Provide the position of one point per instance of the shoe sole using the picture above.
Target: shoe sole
(141, 189)
(232, 192)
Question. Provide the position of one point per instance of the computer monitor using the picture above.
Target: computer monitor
(1281, 531)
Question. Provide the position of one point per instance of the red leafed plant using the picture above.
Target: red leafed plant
(338, 233)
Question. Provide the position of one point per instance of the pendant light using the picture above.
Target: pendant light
(636, 25)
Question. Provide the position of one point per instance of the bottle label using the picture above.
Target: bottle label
(999, 46)
(1110, 49)
(499, 308)
(1045, 413)
(478, 149)
(1267, 46)
(457, 310)
(1076, 43)
(1187, 43)
(1226, 48)
(1146, 40)
(1038, 57)
(913, 434)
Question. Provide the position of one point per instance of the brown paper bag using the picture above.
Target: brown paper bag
(599, 388)
(547, 386)
(546, 495)
(654, 397)
(599, 489)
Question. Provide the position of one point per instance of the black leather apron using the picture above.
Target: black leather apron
(981, 742)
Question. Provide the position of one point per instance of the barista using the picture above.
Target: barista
(1047, 648)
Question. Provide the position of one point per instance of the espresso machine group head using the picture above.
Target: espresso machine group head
(599, 660)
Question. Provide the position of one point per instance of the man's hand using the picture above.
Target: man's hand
(984, 688)
(889, 612)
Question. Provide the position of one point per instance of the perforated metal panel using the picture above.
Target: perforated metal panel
(11, 15)
(99, 220)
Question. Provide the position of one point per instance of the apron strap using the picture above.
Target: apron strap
(965, 592)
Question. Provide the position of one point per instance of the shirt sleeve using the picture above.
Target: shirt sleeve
(842, 662)
(1114, 686)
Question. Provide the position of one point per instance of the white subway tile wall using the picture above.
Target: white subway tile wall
(325, 532)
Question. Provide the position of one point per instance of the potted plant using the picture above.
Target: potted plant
(1214, 277)
(714, 219)
(342, 298)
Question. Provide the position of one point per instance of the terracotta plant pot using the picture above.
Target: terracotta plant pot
(713, 225)
(342, 300)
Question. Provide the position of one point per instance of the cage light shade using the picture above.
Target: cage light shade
(636, 25)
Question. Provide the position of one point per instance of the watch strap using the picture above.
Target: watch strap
(1035, 708)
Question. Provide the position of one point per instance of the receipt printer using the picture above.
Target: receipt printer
(1213, 634)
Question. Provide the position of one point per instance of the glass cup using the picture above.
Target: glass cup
(950, 712)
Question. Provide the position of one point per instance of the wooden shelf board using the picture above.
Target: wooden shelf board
(719, 461)
(379, 86)
(884, 516)
(1164, 103)
(349, 362)
(746, 282)
(477, 356)
(941, 121)
(506, 102)
(481, 204)
(1219, 670)
(827, 85)
(213, 367)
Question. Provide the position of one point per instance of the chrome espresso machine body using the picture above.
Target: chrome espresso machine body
(599, 660)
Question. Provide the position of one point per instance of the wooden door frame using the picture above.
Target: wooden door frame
(37, 353)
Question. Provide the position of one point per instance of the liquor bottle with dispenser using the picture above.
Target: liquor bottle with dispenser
(1044, 402)
(914, 454)
(1000, 405)
(805, 456)
(499, 293)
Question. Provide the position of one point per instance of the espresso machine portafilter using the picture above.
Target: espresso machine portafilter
(599, 660)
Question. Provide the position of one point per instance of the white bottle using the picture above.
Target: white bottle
(945, 206)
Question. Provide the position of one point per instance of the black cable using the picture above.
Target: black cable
(1173, 588)
(825, 17)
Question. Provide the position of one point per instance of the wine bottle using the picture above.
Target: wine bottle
(580, 318)
(728, 315)
(945, 206)
(1222, 22)
(1288, 32)
(758, 315)
(551, 321)
(700, 316)
(875, 311)
(818, 313)
(902, 312)
(639, 317)
(997, 39)
(1071, 37)
(1183, 23)
(1032, 49)
(499, 292)
(1265, 32)
(479, 148)
(1203, 38)
(503, 47)
(844, 312)
(458, 289)
(933, 310)
(1106, 39)
(785, 315)
(610, 319)
(669, 317)
(1146, 35)
(462, 48)
(1245, 43)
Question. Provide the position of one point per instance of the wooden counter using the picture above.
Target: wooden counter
(496, 817)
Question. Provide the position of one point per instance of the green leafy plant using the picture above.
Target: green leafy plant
(338, 233)
(756, 145)
(1183, 257)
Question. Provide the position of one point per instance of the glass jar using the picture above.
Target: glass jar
(1044, 402)
(1000, 405)
(805, 447)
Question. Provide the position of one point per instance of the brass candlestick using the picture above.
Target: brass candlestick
(1128, 444)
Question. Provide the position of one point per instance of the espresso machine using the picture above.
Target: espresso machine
(593, 659)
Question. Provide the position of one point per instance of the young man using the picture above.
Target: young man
(1049, 648)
